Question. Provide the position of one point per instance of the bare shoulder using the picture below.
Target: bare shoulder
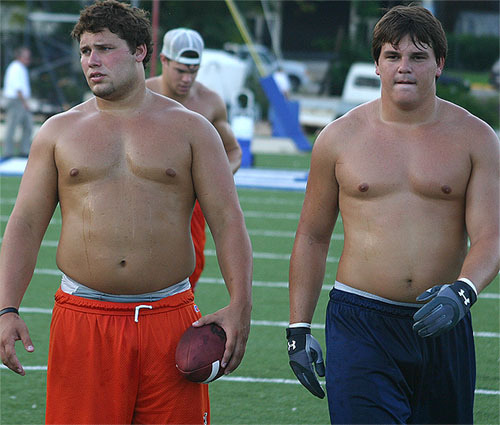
(346, 129)
(154, 83)
(57, 125)
(179, 119)
(468, 128)
(205, 93)
(207, 96)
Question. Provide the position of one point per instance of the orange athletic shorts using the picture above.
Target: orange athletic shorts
(199, 239)
(105, 367)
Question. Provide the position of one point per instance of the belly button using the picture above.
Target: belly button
(123, 263)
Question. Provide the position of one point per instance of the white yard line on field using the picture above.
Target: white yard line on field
(252, 380)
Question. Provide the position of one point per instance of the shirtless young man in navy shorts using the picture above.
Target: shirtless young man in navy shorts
(414, 178)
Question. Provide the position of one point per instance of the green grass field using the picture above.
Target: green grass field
(263, 389)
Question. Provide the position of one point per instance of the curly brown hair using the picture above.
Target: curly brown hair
(129, 23)
(415, 21)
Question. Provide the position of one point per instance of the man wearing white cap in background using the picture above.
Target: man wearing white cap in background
(181, 58)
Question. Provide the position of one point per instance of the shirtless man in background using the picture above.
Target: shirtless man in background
(180, 58)
(414, 177)
(126, 167)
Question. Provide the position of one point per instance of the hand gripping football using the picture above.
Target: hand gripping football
(199, 353)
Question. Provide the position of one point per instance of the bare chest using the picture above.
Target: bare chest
(428, 167)
(115, 148)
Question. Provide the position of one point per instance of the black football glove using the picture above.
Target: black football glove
(448, 305)
(303, 350)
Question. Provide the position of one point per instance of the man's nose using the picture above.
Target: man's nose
(404, 65)
(94, 58)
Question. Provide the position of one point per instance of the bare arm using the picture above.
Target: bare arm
(481, 212)
(217, 195)
(231, 145)
(312, 240)
(28, 222)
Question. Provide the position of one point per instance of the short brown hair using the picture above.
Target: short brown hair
(417, 22)
(129, 23)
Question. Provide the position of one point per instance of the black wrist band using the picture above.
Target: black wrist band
(9, 310)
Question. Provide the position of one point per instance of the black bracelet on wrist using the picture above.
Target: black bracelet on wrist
(9, 310)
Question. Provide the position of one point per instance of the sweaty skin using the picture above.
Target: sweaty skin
(125, 168)
(178, 82)
(413, 176)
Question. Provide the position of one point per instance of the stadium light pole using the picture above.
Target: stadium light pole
(156, 14)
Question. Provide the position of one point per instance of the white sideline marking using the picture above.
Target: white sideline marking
(252, 380)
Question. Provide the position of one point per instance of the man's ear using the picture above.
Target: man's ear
(163, 59)
(440, 67)
(141, 52)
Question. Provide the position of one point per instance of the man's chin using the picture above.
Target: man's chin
(102, 93)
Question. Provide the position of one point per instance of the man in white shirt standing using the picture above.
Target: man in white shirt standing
(17, 90)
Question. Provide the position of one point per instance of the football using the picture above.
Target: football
(199, 353)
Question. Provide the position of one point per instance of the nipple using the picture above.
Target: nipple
(446, 189)
(73, 172)
(363, 187)
(170, 172)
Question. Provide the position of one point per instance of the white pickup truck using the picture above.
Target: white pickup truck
(361, 85)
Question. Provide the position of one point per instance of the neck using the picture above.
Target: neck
(409, 114)
(130, 101)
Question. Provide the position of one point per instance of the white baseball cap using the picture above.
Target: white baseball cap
(183, 45)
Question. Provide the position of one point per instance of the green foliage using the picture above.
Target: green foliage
(473, 53)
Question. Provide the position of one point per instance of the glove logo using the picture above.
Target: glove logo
(462, 294)
(292, 345)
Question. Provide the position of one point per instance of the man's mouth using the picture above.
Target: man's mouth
(96, 76)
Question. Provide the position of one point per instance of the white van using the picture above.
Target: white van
(223, 73)
(361, 85)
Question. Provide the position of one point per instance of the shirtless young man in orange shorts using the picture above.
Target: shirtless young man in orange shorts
(126, 167)
(181, 57)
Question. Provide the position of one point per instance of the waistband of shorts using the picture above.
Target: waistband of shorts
(348, 295)
(73, 287)
(86, 305)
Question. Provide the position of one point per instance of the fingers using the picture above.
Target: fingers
(8, 348)
(307, 378)
(235, 355)
(424, 311)
(433, 321)
(429, 294)
(205, 320)
(237, 330)
(320, 367)
(26, 340)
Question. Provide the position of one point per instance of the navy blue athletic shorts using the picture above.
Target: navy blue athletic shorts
(378, 370)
